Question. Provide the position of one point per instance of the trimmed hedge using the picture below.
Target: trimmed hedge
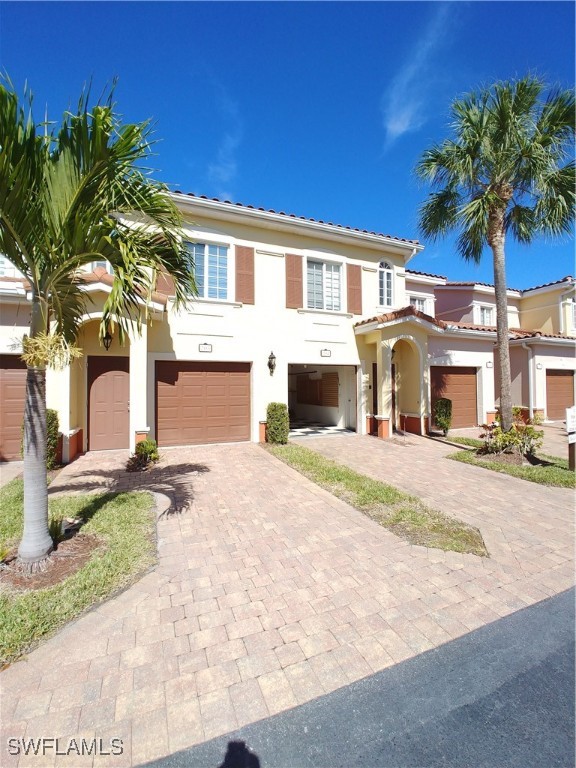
(443, 414)
(277, 423)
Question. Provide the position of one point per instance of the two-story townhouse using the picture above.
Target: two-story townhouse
(273, 321)
(323, 317)
(542, 330)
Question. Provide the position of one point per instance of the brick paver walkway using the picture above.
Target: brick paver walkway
(269, 592)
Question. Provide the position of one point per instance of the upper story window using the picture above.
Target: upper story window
(103, 265)
(418, 303)
(323, 285)
(385, 284)
(486, 315)
(7, 269)
(210, 270)
(573, 314)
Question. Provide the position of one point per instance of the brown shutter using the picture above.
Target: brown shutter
(354, 282)
(165, 284)
(244, 274)
(293, 281)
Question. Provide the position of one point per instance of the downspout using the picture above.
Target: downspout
(530, 380)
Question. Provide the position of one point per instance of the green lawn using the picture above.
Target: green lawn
(554, 472)
(473, 442)
(124, 523)
(404, 515)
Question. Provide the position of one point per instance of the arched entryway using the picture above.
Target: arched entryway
(407, 386)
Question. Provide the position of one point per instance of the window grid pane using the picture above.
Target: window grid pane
(385, 286)
(314, 285)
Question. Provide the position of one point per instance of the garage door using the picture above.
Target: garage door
(12, 394)
(202, 402)
(559, 393)
(458, 385)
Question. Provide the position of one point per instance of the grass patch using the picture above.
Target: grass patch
(473, 442)
(124, 523)
(404, 515)
(554, 472)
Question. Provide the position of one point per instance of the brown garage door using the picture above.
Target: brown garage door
(12, 394)
(202, 402)
(458, 385)
(559, 393)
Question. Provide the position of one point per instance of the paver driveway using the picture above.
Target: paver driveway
(270, 592)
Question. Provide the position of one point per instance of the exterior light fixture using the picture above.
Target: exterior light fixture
(107, 340)
(271, 363)
(539, 366)
(489, 364)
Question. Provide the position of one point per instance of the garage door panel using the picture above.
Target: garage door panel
(202, 402)
(12, 397)
(458, 384)
(559, 393)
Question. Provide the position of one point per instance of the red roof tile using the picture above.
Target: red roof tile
(425, 274)
(294, 216)
(397, 314)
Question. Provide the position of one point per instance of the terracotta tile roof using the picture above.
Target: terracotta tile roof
(21, 281)
(411, 311)
(397, 314)
(294, 216)
(425, 274)
(472, 283)
(101, 276)
(567, 279)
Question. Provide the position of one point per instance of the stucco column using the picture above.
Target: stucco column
(139, 427)
(58, 396)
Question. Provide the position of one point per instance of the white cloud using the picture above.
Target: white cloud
(222, 171)
(404, 103)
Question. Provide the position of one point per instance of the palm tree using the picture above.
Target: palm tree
(69, 195)
(506, 169)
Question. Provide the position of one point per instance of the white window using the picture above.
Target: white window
(486, 316)
(573, 313)
(418, 303)
(210, 265)
(323, 285)
(104, 265)
(385, 284)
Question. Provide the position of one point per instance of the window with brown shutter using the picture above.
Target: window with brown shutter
(244, 274)
(354, 284)
(294, 287)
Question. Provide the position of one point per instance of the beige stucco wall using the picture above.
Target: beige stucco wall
(541, 311)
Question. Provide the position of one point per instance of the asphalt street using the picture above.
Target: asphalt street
(499, 697)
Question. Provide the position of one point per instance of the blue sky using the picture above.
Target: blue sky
(315, 108)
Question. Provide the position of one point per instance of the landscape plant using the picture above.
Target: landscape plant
(277, 423)
(507, 169)
(443, 414)
(72, 193)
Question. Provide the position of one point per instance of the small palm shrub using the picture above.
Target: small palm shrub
(146, 453)
(443, 414)
(277, 423)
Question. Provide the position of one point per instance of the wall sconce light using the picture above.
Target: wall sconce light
(489, 364)
(107, 340)
(271, 363)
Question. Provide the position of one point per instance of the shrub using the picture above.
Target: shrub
(146, 453)
(522, 438)
(148, 448)
(52, 434)
(277, 423)
(443, 414)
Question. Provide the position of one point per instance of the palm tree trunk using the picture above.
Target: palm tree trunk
(36, 541)
(503, 345)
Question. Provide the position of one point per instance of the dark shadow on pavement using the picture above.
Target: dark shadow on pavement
(501, 696)
(174, 481)
(238, 756)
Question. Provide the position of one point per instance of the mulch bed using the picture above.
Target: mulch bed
(69, 557)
